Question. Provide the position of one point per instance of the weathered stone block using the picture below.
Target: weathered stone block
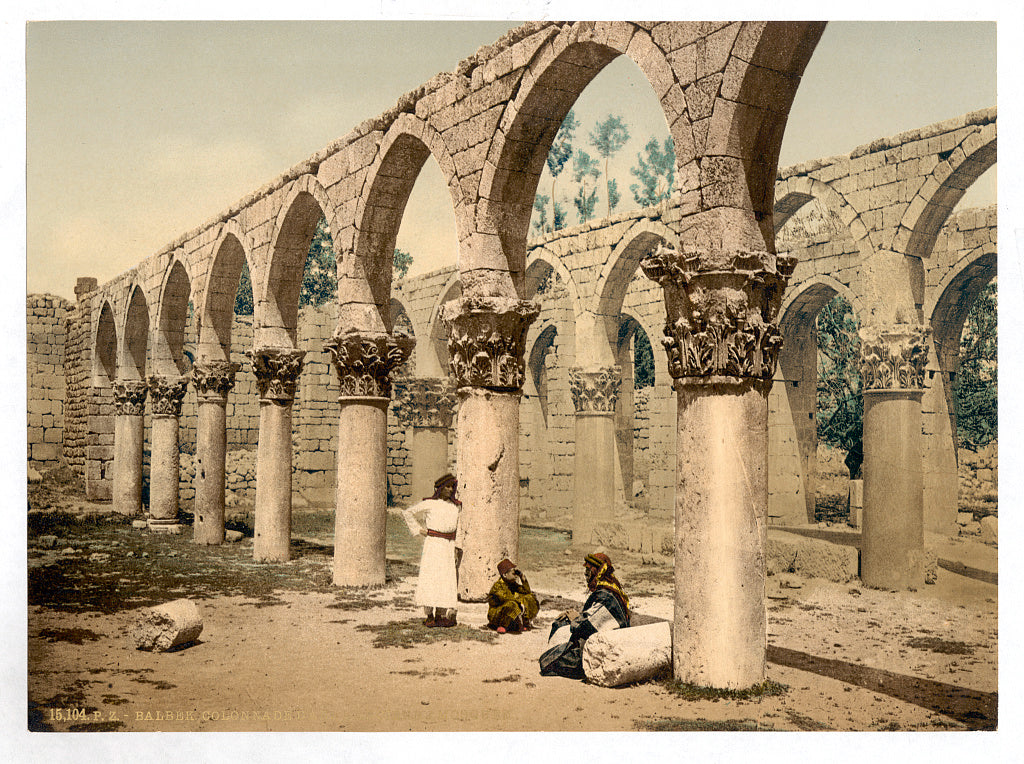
(623, 656)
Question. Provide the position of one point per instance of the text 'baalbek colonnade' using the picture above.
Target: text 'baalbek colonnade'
(725, 89)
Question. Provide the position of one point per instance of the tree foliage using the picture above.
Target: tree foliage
(585, 172)
(655, 169)
(643, 360)
(402, 262)
(840, 420)
(975, 387)
(243, 296)
(558, 155)
(608, 137)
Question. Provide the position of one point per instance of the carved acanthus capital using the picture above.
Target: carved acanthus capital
(722, 309)
(130, 396)
(277, 371)
(213, 380)
(424, 402)
(364, 362)
(486, 340)
(167, 393)
(893, 357)
(595, 391)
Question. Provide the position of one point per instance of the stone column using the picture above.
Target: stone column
(485, 348)
(277, 372)
(129, 406)
(364, 362)
(892, 378)
(722, 342)
(166, 395)
(213, 381)
(427, 406)
(594, 393)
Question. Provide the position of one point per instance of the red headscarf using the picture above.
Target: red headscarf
(441, 482)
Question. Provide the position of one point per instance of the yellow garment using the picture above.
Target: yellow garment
(506, 603)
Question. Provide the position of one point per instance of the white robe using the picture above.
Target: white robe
(437, 585)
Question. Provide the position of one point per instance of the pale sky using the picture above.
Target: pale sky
(140, 131)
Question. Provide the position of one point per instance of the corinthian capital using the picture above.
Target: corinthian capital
(213, 380)
(722, 309)
(486, 340)
(364, 362)
(167, 393)
(893, 357)
(130, 396)
(424, 402)
(595, 390)
(277, 371)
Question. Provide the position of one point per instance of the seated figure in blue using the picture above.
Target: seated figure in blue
(607, 607)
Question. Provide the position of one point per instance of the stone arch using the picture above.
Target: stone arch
(104, 369)
(135, 336)
(535, 365)
(954, 296)
(169, 340)
(794, 192)
(542, 259)
(554, 79)
(626, 473)
(389, 182)
(433, 361)
(939, 194)
(752, 93)
(616, 274)
(217, 313)
(277, 306)
(792, 403)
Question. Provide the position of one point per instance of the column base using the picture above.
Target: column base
(164, 526)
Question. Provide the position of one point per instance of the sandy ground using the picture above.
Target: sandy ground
(282, 649)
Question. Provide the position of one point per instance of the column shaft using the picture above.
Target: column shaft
(272, 538)
(488, 473)
(360, 521)
(594, 484)
(892, 541)
(429, 454)
(211, 456)
(720, 626)
(163, 473)
(128, 438)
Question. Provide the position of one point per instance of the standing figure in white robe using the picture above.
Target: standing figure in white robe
(437, 590)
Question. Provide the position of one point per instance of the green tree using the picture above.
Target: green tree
(540, 206)
(976, 395)
(608, 137)
(403, 260)
(840, 420)
(558, 155)
(320, 275)
(655, 171)
(643, 360)
(585, 172)
(243, 296)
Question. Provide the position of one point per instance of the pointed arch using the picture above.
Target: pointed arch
(172, 315)
(104, 369)
(232, 250)
(433, 362)
(277, 306)
(135, 336)
(794, 192)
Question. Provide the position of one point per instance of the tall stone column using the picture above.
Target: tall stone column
(485, 348)
(129, 433)
(722, 342)
(427, 406)
(594, 393)
(213, 381)
(892, 378)
(364, 362)
(166, 395)
(277, 372)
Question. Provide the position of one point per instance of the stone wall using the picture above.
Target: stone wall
(46, 338)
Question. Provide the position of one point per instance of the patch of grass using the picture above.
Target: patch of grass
(427, 672)
(74, 636)
(407, 634)
(509, 678)
(114, 700)
(674, 724)
(806, 723)
(808, 606)
(937, 645)
(694, 692)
